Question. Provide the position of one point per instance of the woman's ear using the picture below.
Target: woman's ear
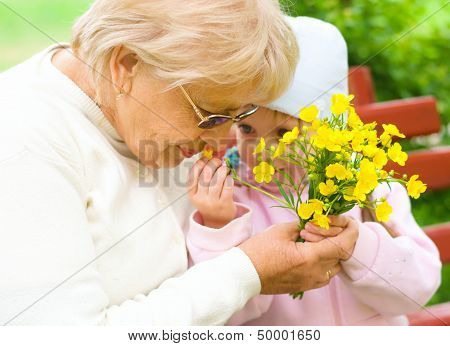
(123, 67)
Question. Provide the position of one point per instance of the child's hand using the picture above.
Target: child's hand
(338, 223)
(211, 192)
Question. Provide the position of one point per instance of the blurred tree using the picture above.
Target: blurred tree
(414, 65)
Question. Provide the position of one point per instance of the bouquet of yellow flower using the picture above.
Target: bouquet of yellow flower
(342, 159)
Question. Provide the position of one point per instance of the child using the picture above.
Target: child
(385, 278)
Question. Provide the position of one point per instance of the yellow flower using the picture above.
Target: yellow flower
(380, 158)
(372, 138)
(347, 156)
(358, 139)
(349, 197)
(338, 139)
(383, 211)
(396, 154)
(353, 194)
(290, 136)
(392, 130)
(338, 171)
(315, 124)
(367, 177)
(318, 205)
(327, 188)
(333, 147)
(369, 150)
(340, 103)
(263, 172)
(328, 138)
(309, 114)
(280, 150)
(385, 139)
(321, 136)
(321, 220)
(353, 119)
(306, 210)
(415, 187)
(370, 126)
(366, 165)
(345, 136)
(384, 174)
(260, 147)
(208, 153)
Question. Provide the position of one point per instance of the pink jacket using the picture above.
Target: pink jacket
(385, 278)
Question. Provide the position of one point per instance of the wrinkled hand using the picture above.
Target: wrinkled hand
(211, 192)
(286, 266)
(338, 223)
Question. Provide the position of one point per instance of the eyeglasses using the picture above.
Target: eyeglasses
(214, 120)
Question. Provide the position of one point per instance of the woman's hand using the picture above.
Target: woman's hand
(211, 192)
(286, 266)
(338, 223)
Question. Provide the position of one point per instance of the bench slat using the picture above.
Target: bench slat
(414, 116)
(436, 315)
(440, 235)
(432, 166)
(360, 84)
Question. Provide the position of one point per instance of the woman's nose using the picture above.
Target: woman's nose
(218, 137)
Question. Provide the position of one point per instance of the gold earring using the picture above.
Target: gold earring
(119, 95)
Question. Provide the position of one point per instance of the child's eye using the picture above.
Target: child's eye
(281, 132)
(244, 128)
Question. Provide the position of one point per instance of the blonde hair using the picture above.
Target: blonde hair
(223, 43)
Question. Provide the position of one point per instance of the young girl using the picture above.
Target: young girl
(385, 278)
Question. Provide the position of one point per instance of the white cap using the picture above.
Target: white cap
(322, 69)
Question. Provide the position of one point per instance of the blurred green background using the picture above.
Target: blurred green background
(417, 64)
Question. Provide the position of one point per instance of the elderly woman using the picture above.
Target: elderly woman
(83, 240)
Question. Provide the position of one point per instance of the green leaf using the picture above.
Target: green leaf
(288, 177)
(291, 196)
(345, 208)
(281, 206)
(283, 193)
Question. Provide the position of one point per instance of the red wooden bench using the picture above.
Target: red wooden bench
(416, 116)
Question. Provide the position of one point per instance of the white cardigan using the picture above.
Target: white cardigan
(69, 191)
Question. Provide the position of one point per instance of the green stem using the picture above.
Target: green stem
(301, 225)
(331, 205)
(261, 190)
